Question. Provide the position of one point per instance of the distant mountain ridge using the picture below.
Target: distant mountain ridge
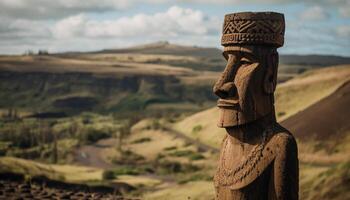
(321, 60)
(164, 47)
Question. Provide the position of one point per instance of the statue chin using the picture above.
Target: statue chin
(233, 117)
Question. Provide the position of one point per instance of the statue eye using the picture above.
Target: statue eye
(245, 61)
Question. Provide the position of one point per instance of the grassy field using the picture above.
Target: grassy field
(308, 88)
(151, 147)
(194, 190)
(54, 140)
(69, 173)
(326, 180)
(117, 109)
(319, 182)
(89, 64)
(161, 78)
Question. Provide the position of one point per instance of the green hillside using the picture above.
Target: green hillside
(157, 78)
(146, 116)
(70, 86)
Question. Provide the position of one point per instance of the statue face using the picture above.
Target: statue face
(246, 86)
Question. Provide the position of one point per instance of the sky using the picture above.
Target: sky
(312, 26)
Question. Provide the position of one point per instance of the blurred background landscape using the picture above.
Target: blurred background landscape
(118, 95)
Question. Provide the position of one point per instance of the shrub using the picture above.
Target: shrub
(197, 128)
(160, 156)
(196, 156)
(187, 143)
(156, 125)
(187, 153)
(196, 177)
(280, 114)
(127, 170)
(92, 135)
(141, 140)
(181, 153)
(132, 156)
(128, 157)
(168, 167)
(170, 148)
(108, 175)
(86, 121)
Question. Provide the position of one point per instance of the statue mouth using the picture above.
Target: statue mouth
(232, 103)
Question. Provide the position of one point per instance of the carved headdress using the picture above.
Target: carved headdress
(253, 28)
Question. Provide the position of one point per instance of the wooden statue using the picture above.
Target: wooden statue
(258, 158)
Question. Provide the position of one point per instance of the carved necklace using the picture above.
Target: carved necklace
(245, 167)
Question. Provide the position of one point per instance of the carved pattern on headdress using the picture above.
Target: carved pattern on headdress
(253, 28)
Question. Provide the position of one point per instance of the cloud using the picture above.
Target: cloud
(343, 31)
(345, 10)
(46, 9)
(343, 6)
(81, 31)
(306, 39)
(70, 27)
(75, 25)
(315, 2)
(176, 21)
(314, 13)
(20, 29)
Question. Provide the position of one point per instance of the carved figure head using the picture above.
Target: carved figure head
(249, 80)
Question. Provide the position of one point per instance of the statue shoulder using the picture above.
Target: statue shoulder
(283, 140)
(278, 143)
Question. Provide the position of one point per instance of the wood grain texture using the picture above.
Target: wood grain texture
(258, 158)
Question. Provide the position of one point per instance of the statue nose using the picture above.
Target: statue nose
(226, 90)
(225, 87)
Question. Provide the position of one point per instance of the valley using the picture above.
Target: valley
(142, 121)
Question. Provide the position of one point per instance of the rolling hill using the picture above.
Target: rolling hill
(207, 58)
(156, 78)
(314, 107)
(326, 119)
(291, 97)
(165, 48)
(72, 85)
(167, 82)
